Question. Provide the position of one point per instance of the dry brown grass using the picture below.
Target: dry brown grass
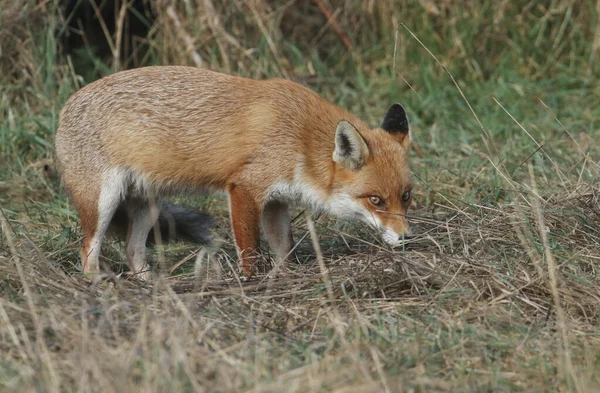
(395, 320)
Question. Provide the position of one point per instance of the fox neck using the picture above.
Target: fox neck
(315, 194)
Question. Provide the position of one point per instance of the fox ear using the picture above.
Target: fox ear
(396, 123)
(351, 150)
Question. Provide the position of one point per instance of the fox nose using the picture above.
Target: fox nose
(408, 234)
(393, 239)
(390, 237)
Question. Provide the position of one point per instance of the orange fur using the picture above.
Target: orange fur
(158, 130)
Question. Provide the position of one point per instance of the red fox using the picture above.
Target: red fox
(131, 138)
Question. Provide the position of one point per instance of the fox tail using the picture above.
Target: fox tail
(174, 223)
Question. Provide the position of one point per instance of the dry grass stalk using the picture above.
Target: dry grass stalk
(189, 42)
(552, 274)
(120, 22)
(331, 20)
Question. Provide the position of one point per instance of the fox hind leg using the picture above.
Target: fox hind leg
(89, 222)
(142, 217)
(95, 220)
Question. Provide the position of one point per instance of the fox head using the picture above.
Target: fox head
(372, 180)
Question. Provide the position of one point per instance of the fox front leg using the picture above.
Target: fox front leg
(277, 226)
(245, 220)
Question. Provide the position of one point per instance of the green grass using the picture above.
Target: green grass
(469, 305)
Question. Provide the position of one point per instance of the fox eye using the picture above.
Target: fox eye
(406, 196)
(377, 201)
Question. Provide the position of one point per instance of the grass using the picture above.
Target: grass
(499, 291)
